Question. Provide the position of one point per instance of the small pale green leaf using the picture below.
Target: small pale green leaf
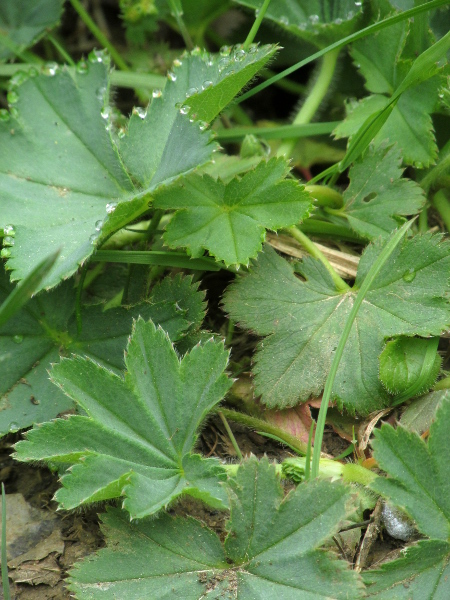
(139, 432)
(46, 329)
(303, 320)
(223, 77)
(23, 22)
(230, 220)
(377, 197)
(402, 365)
(271, 551)
(419, 473)
(320, 22)
(422, 572)
(419, 415)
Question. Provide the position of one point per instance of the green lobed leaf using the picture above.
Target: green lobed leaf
(402, 365)
(419, 473)
(320, 22)
(229, 220)
(271, 550)
(46, 329)
(63, 180)
(302, 320)
(137, 438)
(377, 197)
(24, 22)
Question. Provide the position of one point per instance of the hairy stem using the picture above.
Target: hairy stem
(254, 30)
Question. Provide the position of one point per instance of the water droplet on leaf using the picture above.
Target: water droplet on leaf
(106, 112)
(82, 67)
(206, 84)
(156, 93)
(9, 230)
(18, 339)
(13, 426)
(171, 76)
(12, 97)
(314, 19)
(111, 207)
(177, 63)
(409, 275)
(225, 51)
(5, 253)
(4, 114)
(191, 91)
(140, 112)
(284, 21)
(184, 110)
(96, 56)
(50, 69)
(98, 225)
(8, 241)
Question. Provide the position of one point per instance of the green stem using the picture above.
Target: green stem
(325, 196)
(436, 175)
(98, 34)
(15, 49)
(443, 384)
(177, 14)
(423, 220)
(314, 98)
(368, 280)
(231, 436)
(326, 229)
(261, 425)
(65, 55)
(442, 205)
(314, 251)
(254, 30)
(292, 87)
(235, 134)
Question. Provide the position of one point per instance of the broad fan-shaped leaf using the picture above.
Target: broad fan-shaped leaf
(377, 197)
(137, 438)
(320, 22)
(271, 551)
(24, 22)
(46, 329)
(63, 181)
(304, 320)
(230, 219)
(419, 483)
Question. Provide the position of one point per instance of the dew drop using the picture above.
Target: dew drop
(93, 238)
(253, 48)
(101, 92)
(409, 275)
(203, 125)
(191, 91)
(12, 97)
(111, 207)
(171, 76)
(106, 112)
(98, 225)
(419, 165)
(121, 133)
(15, 115)
(82, 67)
(19, 78)
(177, 63)
(50, 69)
(140, 112)
(338, 21)
(156, 93)
(223, 64)
(4, 114)
(441, 95)
(8, 241)
(239, 54)
(314, 19)
(18, 339)
(13, 426)
(358, 4)
(196, 51)
(184, 110)
(96, 56)
(9, 230)
(206, 84)
(5, 253)
(284, 21)
(225, 51)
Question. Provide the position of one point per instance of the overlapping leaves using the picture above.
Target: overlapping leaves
(46, 329)
(137, 438)
(270, 551)
(230, 219)
(63, 181)
(419, 483)
(303, 320)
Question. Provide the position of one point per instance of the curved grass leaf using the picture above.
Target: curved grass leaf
(320, 22)
(377, 198)
(230, 219)
(271, 550)
(64, 182)
(303, 320)
(46, 329)
(137, 438)
(22, 23)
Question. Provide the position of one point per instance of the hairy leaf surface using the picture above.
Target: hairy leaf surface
(419, 483)
(320, 22)
(377, 196)
(46, 329)
(230, 219)
(270, 552)
(137, 438)
(64, 183)
(303, 320)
